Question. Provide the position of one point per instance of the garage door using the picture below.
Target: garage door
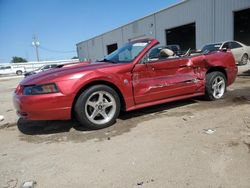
(242, 26)
(183, 35)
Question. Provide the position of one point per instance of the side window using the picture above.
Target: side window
(7, 67)
(154, 54)
(157, 54)
(226, 45)
(46, 67)
(53, 66)
(235, 45)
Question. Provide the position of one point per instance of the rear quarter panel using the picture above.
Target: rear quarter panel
(223, 60)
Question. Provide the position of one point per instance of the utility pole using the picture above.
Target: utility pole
(36, 43)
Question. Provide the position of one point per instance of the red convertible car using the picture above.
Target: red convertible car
(131, 77)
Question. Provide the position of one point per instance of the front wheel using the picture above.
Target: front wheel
(97, 107)
(215, 85)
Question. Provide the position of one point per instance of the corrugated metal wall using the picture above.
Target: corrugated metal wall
(213, 18)
(224, 22)
(198, 11)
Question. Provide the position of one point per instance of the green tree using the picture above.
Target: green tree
(75, 57)
(16, 59)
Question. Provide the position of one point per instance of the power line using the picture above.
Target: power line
(55, 51)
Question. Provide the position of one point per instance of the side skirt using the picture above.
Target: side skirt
(164, 101)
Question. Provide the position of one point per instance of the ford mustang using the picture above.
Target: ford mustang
(130, 78)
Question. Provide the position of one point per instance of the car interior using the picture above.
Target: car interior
(162, 53)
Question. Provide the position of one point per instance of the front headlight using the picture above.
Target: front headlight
(40, 89)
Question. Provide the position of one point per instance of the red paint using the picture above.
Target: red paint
(148, 84)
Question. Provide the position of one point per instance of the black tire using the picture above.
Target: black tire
(19, 72)
(210, 93)
(244, 59)
(83, 110)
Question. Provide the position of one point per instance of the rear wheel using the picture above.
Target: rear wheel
(244, 59)
(97, 107)
(215, 85)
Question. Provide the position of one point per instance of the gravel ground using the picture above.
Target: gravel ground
(189, 143)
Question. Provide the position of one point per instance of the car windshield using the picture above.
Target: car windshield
(40, 68)
(211, 47)
(127, 53)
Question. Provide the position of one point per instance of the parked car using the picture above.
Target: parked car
(240, 51)
(127, 79)
(9, 69)
(41, 69)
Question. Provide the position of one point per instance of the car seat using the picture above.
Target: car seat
(166, 53)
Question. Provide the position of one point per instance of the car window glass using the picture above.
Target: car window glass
(154, 52)
(235, 45)
(127, 53)
(211, 48)
(46, 67)
(7, 67)
(226, 45)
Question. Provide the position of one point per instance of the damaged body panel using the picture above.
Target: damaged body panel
(126, 79)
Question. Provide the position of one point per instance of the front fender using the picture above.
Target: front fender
(122, 82)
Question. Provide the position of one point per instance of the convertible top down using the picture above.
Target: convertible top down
(131, 77)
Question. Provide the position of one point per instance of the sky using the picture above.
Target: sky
(60, 24)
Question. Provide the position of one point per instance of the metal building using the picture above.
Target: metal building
(190, 23)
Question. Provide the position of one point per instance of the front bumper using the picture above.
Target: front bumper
(54, 106)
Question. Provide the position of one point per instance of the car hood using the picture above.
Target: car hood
(65, 72)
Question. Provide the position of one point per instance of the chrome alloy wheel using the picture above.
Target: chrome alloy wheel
(218, 87)
(100, 107)
(244, 59)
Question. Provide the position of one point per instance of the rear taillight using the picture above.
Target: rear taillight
(19, 89)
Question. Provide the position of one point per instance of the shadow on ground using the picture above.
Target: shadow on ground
(126, 119)
(245, 73)
(64, 131)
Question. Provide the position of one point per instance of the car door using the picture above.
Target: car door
(237, 50)
(8, 70)
(163, 79)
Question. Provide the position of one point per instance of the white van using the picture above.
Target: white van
(9, 69)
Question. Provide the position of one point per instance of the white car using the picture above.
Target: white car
(41, 69)
(9, 69)
(240, 51)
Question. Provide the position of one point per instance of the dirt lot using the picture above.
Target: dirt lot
(162, 146)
